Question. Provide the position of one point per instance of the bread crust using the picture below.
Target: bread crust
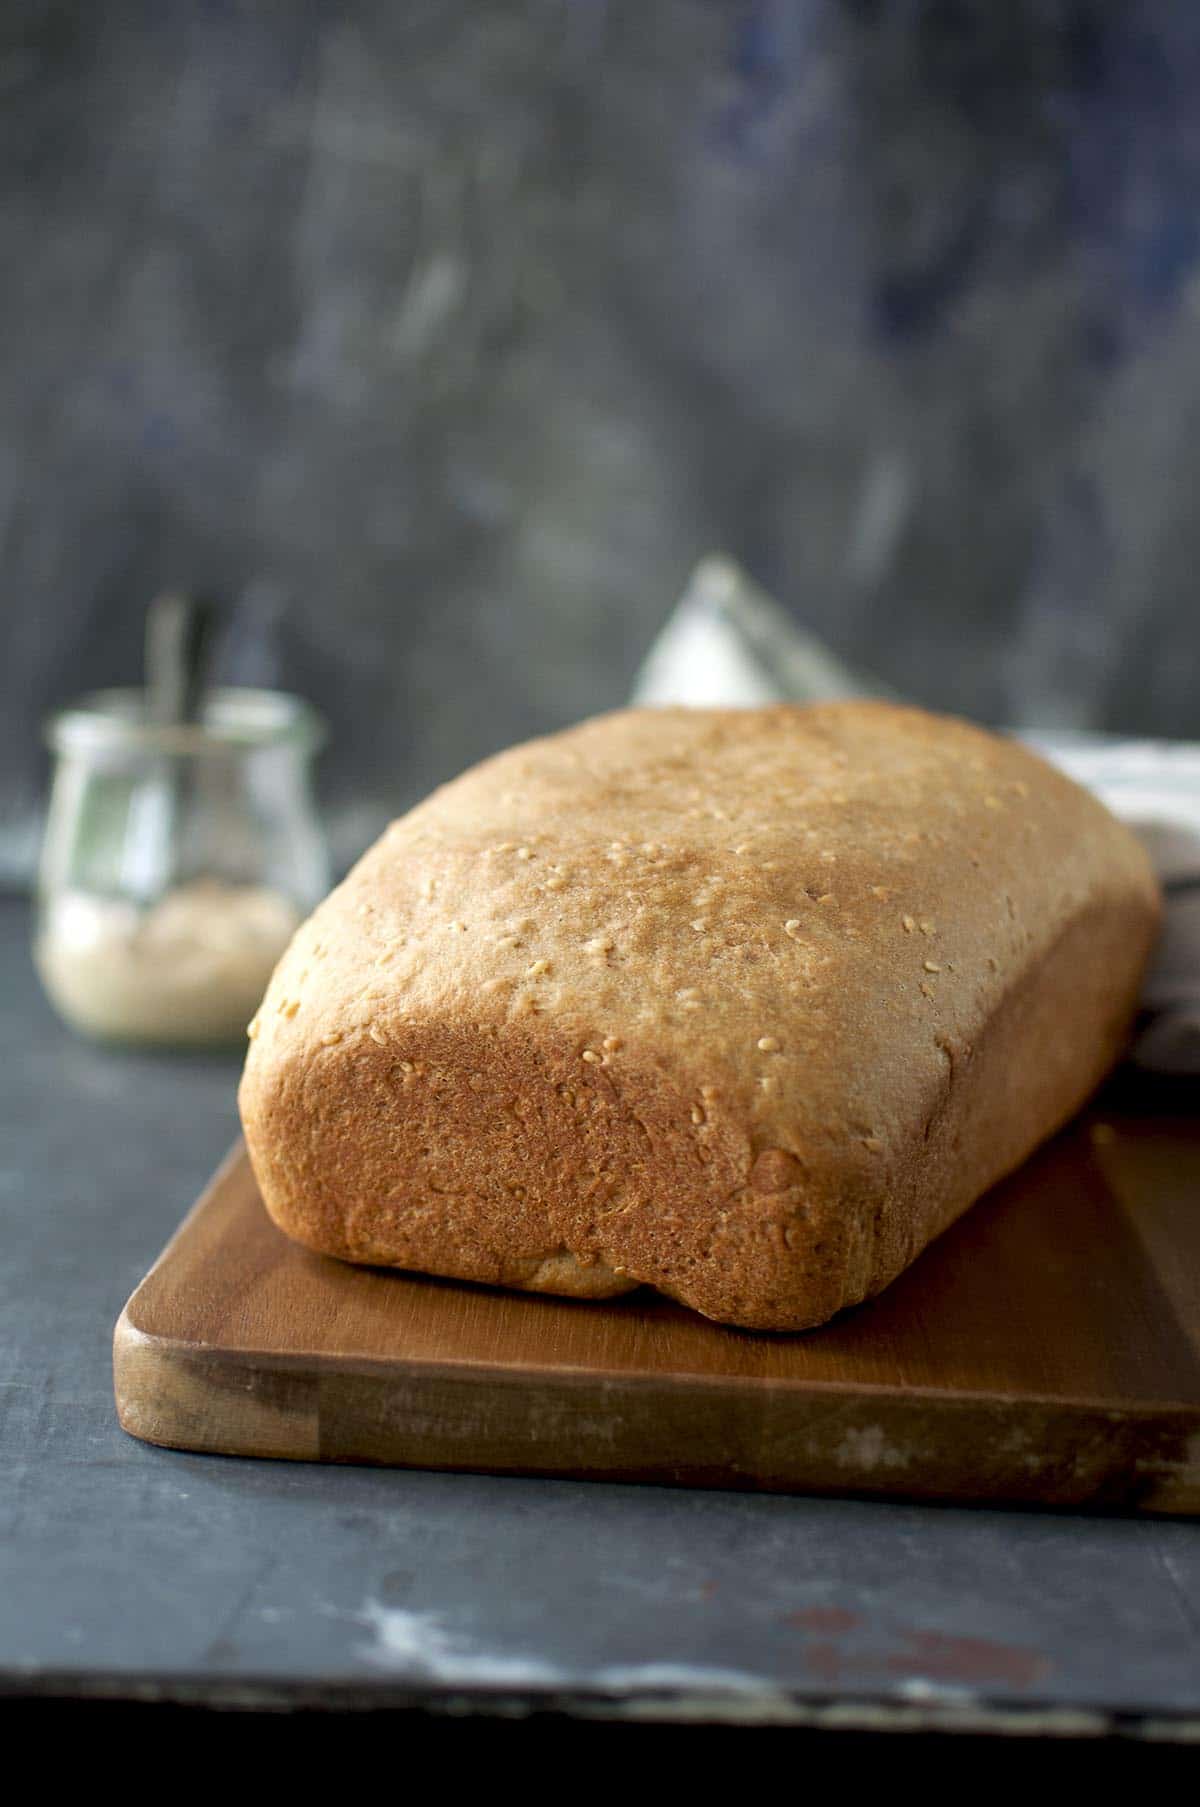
(744, 1005)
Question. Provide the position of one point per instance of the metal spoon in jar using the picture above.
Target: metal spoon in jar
(178, 656)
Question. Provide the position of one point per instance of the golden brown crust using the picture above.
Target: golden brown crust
(743, 1005)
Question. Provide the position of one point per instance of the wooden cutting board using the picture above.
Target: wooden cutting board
(1046, 1349)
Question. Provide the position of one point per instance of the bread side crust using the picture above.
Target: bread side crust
(562, 1115)
(579, 1180)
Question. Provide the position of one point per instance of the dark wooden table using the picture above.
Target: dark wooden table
(133, 1574)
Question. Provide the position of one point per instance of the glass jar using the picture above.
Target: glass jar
(178, 859)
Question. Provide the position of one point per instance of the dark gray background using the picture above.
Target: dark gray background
(441, 338)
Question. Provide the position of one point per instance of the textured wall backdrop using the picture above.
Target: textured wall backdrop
(441, 337)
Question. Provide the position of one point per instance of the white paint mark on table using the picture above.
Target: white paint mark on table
(420, 1643)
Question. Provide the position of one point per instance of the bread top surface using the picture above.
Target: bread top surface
(794, 915)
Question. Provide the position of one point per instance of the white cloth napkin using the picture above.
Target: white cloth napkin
(729, 643)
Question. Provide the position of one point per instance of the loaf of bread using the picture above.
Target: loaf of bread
(744, 1005)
